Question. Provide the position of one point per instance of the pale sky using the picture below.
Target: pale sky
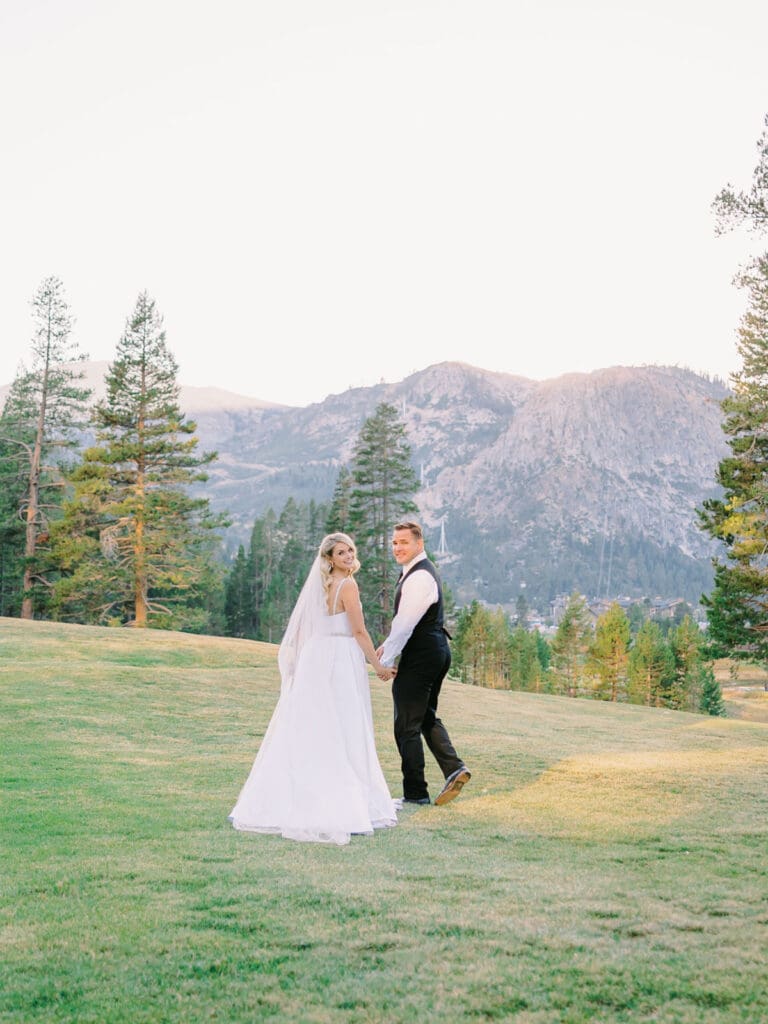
(327, 193)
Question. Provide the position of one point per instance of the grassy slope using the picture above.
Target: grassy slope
(606, 863)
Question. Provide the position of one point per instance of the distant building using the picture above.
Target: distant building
(656, 608)
(661, 609)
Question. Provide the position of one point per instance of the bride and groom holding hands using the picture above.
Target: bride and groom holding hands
(317, 776)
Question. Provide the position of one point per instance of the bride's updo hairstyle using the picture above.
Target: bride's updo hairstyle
(325, 551)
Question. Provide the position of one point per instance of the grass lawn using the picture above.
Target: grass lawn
(607, 863)
(745, 688)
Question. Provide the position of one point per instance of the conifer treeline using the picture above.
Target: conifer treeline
(266, 575)
(607, 662)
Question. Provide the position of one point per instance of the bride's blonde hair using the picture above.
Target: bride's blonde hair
(324, 552)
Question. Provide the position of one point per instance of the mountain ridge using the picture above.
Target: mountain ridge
(584, 481)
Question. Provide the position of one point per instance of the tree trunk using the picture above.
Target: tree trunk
(140, 582)
(30, 544)
(140, 579)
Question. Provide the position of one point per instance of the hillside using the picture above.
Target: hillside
(603, 864)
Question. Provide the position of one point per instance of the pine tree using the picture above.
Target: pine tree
(16, 441)
(543, 650)
(238, 597)
(473, 644)
(737, 607)
(339, 514)
(733, 208)
(296, 553)
(139, 548)
(651, 667)
(384, 485)
(711, 699)
(686, 643)
(524, 669)
(44, 411)
(570, 645)
(497, 650)
(609, 653)
(262, 561)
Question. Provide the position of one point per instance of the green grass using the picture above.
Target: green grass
(606, 863)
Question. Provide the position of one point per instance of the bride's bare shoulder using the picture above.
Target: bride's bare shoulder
(348, 588)
(339, 592)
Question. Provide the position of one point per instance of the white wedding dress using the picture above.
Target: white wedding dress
(317, 777)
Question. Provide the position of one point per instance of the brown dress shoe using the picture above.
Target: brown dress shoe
(453, 786)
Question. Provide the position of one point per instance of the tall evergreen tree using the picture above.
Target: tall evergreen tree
(263, 557)
(651, 667)
(138, 545)
(43, 413)
(570, 645)
(497, 650)
(16, 441)
(238, 597)
(543, 650)
(525, 669)
(737, 607)
(339, 514)
(609, 653)
(295, 557)
(686, 643)
(473, 648)
(384, 485)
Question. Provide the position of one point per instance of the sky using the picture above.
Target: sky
(324, 194)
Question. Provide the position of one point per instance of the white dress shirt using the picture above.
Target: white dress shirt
(417, 593)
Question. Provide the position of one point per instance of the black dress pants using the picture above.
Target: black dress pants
(415, 691)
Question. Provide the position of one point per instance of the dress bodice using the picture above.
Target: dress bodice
(336, 625)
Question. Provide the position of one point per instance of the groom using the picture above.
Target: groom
(418, 636)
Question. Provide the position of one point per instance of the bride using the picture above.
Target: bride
(316, 776)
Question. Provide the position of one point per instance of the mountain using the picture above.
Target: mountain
(585, 481)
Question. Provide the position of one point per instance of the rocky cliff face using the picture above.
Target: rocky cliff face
(633, 448)
(593, 483)
(585, 481)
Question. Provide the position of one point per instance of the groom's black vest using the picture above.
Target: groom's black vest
(430, 625)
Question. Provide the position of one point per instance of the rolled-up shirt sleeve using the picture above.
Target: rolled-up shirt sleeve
(418, 592)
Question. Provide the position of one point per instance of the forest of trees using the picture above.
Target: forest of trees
(656, 664)
(97, 520)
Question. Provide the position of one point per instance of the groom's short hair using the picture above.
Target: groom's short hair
(413, 526)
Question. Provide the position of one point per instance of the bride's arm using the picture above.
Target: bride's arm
(350, 603)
